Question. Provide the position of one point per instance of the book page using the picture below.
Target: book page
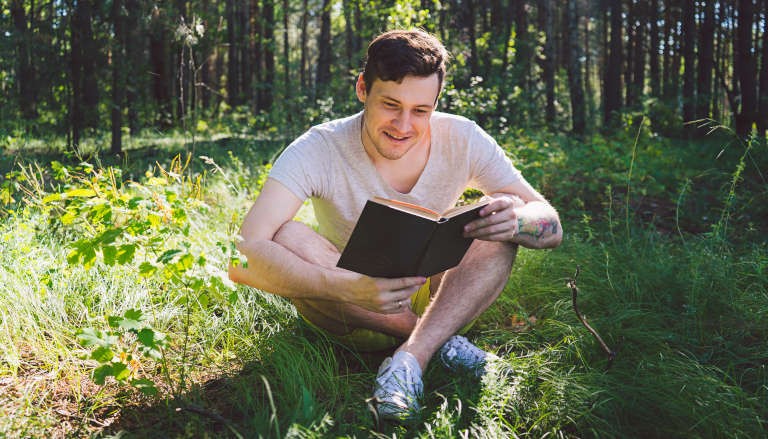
(408, 207)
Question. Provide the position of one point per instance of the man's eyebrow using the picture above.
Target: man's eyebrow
(395, 100)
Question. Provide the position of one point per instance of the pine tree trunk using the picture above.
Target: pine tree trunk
(654, 49)
(689, 41)
(588, 93)
(667, 61)
(118, 80)
(348, 32)
(762, 122)
(160, 55)
(638, 76)
(287, 55)
(613, 72)
(246, 81)
(706, 63)
(746, 68)
(255, 48)
(268, 45)
(523, 53)
(26, 73)
(135, 62)
(233, 67)
(629, 89)
(90, 87)
(578, 109)
(76, 76)
(304, 41)
(548, 70)
(471, 24)
(324, 47)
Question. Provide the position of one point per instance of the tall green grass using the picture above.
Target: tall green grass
(688, 318)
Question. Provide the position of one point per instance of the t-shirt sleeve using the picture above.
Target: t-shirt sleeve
(490, 168)
(300, 167)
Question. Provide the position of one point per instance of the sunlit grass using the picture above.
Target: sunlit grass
(689, 321)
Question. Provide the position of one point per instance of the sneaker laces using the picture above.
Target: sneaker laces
(459, 355)
(398, 387)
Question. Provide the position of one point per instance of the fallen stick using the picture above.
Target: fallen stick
(575, 290)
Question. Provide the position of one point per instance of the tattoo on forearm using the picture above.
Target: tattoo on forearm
(536, 229)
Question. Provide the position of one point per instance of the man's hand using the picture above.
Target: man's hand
(498, 220)
(377, 294)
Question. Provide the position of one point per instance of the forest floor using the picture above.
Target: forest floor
(669, 237)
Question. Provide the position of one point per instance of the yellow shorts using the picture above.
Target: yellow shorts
(368, 340)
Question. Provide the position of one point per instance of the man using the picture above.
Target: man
(400, 148)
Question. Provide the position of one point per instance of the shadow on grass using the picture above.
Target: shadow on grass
(303, 383)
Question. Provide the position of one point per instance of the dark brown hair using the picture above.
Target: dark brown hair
(397, 53)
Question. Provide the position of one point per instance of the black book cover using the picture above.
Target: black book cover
(388, 242)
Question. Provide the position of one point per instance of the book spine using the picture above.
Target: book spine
(420, 270)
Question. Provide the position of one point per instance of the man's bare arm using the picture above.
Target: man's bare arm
(274, 268)
(520, 215)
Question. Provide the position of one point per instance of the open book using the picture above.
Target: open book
(397, 239)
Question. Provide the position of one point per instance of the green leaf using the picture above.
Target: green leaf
(102, 354)
(146, 269)
(110, 254)
(109, 235)
(151, 342)
(134, 314)
(67, 218)
(101, 373)
(52, 197)
(130, 321)
(167, 256)
(93, 337)
(86, 193)
(145, 386)
(125, 253)
(120, 371)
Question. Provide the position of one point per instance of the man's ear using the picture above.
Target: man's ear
(360, 89)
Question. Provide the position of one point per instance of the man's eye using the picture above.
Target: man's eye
(390, 105)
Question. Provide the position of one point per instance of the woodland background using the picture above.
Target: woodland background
(74, 67)
(135, 135)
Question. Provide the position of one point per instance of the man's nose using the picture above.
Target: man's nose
(403, 122)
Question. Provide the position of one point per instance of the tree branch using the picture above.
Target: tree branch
(572, 284)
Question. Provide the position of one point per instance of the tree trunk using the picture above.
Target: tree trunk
(244, 51)
(613, 72)
(689, 38)
(762, 121)
(159, 51)
(706, 63)
(76, 76)
(135, 62)
(638, 76)
(523, 46)
(26, 73)
(667, 61)
(348, 32)
(629, 89)
(233, 69)
(254, 47)
(324, 47)
(287, 54)
(654, 49)
(304, 40)
(578, 109)
(471, 24)
(588, 93)
(548, 69)
(268, 45)
(118, 80)
(747, 69)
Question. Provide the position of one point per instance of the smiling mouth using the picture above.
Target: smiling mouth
(399, 139)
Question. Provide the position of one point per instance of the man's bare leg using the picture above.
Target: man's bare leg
(465, 292)
(335, 317)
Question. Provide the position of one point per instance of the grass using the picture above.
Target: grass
(688, 317)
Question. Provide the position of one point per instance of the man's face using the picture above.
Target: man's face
(396, 116)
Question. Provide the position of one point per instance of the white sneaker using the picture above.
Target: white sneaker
(459, 355)
(398, 387)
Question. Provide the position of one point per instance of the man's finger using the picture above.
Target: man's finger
(495, 206)
(401, 282)
(489, 220)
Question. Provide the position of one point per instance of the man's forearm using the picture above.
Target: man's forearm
(274, 268)
(538, 226)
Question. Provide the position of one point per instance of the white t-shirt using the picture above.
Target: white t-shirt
(329, 165)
